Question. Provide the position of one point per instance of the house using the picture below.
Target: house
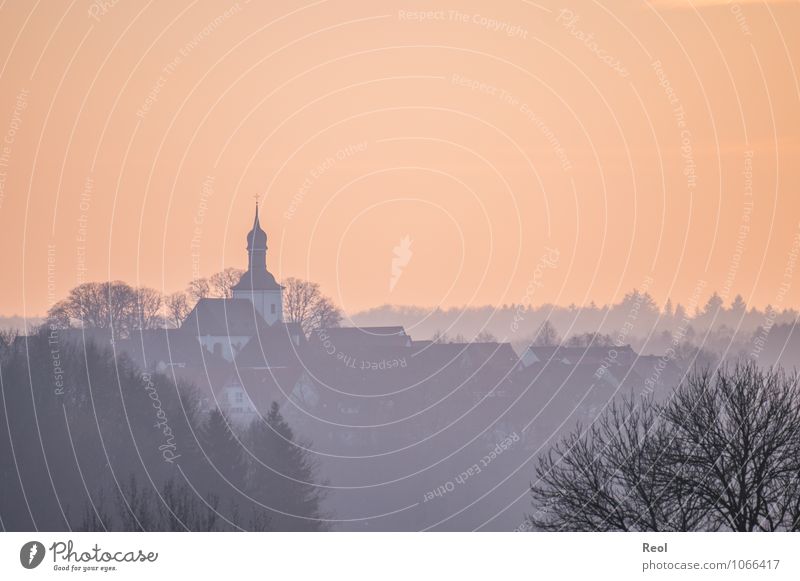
(344, 338)
(265, 370)
(550, 354)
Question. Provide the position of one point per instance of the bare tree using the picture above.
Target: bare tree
(738, 436)
(722, 454)
(222, 282)
(108, 305)
(147, 309)
(199, 288)
(546, 336)
(99, 305)
(440, 337)
(304, 303)
(58, 316)
(485, 337)
(609, 477)
(121, 302)
(85, 304)
(7, 337)
(177, 308)
(299, 298)
(325, 314)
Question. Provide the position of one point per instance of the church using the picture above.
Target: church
(224, 326)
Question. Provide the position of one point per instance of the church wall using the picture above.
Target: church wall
(269, 304)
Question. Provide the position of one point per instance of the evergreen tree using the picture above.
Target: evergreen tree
(738, 306)
(282, 476)
(225, 456)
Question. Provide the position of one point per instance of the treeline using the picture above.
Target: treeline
(720, 453)
(637, 317)
(88, 442)
(122, 309)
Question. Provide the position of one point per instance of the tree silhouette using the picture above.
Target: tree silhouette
(737, 439)
(304, 304)
(722, 454)
(546, 336)
(198, 288)
(222, 282)
(590, 340)
(609, 477)
(485, 337)
(224, 452)
(147, 309)
(177, 308)
(283, 476)
(115, 306)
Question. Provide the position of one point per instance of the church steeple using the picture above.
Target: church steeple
(257, 284)
(257, 276)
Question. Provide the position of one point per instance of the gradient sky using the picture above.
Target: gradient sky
(651, 145)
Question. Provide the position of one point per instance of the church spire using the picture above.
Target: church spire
(257, 276)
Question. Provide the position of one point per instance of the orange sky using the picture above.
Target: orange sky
(640, 142)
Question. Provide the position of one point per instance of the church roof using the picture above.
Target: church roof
(276, 346)
(224, 317)
(257, 280)
(364, 336)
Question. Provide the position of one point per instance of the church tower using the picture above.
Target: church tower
(257, 284)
